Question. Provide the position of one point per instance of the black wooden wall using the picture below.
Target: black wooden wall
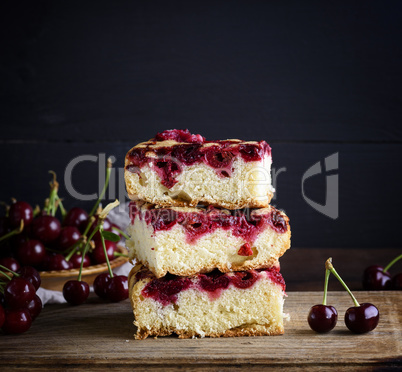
(312, 78)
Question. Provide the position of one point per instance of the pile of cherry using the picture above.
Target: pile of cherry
(19, 303)
(47, 243)
(34, 239)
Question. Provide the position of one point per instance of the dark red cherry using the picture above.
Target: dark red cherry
(46, 228)
(397, 282)
(69, 235)
(213, 281)
(56, 262)
(76, 217)
(17, 321)
(11, 263)
(219, 158)
(244, 279)
(31, 275)
(2, 316)
(187, 154)
(100, 284)
(250, 152)
(77, 258)
(35, 307)
(18, 292)
(20, 210)
(117, 288)
(98, 254)
(374, 278)
(322, 318)
(363, 318)
(31, 253)
(75, 292)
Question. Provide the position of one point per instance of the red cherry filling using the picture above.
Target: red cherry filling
(188, 154)
(196, 226)
(179, 135)
(167, 171)
(277, 222)
(166, 289)
(244, 279)
(274, 274)
(251, 152)
(168, 160)
(245, 250)
(220, 160)
(247, 226)
(213, 281)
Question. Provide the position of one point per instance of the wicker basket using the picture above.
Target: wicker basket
(55, 280)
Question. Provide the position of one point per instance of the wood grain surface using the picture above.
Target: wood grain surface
(97, 336)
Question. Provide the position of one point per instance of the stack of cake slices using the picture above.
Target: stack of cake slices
(205, 238)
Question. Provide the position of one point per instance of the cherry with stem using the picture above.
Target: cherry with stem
(322, 318)
(114, 288)
(377, 277)
(361, 318)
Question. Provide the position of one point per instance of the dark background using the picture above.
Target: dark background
(311, 78)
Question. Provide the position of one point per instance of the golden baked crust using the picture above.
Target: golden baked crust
(249, 331)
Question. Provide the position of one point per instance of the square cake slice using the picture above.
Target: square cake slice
(185, 241)
(177, 168)
(243, 303)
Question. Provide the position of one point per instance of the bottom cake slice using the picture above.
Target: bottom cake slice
(243, 303)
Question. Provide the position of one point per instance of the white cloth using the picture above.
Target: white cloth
(120, 217)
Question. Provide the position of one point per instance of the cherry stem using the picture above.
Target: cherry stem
(392, 262)
(61, 206)
(119, 254)
(121, 232)
(105, 253)
(54, 186)
(16, 231)
(82, 261)
(74, 247)
(102, 217)
(86, 249)
(105, 186)
(36, 211)
(90, 222)
(11, 271)
(330, 267)
(327, 273)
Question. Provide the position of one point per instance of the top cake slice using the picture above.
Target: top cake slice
(177, 168)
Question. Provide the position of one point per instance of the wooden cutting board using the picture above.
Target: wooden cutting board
(99, 336)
